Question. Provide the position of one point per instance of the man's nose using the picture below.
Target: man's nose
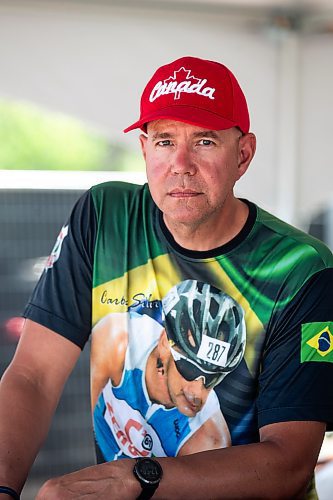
(182, 161)
(194, 390)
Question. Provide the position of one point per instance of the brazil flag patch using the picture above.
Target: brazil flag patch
(317, 342)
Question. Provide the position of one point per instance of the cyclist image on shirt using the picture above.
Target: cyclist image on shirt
(152, 381)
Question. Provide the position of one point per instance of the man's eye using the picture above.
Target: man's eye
(165, 142)
(206, 142)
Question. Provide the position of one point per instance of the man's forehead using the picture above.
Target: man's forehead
(168, 128)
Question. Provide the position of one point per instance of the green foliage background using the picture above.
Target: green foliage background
(33, 139)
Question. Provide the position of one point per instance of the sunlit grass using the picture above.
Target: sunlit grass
(34, 139)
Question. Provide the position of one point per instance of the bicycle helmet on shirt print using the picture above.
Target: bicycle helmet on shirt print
(206, 331)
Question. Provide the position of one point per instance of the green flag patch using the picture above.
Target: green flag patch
(317, 342)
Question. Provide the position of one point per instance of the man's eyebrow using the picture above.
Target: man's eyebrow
(206, 133)
(203, 133)
(161, 135)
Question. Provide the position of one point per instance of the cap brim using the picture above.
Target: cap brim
(187, 114)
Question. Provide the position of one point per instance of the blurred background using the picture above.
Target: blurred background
(72, 72)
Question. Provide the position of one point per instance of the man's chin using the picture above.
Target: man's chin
(189, 410)
(186, 217)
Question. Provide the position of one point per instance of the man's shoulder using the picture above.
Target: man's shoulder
(118, 195)
(296, 240)
(118, 188)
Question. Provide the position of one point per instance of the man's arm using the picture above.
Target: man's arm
(280, 466)
(108, 349)
(212, 434)
(29, 392)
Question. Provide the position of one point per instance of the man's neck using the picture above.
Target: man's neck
(203, 237)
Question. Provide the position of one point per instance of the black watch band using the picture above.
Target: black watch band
(149, 473)
(147, 493)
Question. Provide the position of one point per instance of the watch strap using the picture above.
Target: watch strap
(147, 492)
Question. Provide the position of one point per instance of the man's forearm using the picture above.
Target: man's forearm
(248, 471)
(280, 466)
(238, 472)
(25, 415)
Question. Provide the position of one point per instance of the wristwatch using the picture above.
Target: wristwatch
(149, 474)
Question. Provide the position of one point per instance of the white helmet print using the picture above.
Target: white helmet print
(206, 331)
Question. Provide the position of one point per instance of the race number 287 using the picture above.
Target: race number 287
(213, 351)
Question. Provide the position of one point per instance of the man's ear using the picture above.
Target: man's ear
(163, 346)
(143, 141)
(246, 151)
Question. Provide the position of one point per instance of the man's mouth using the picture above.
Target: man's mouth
(183, 193)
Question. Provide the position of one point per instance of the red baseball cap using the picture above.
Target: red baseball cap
(195, 91)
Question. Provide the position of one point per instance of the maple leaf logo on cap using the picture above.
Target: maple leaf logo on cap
(181, 75)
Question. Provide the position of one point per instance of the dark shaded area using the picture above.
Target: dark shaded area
(29, 223)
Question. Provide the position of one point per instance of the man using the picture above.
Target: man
(173, 409)
(131, 245)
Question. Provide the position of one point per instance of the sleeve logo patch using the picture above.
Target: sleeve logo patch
(55, 254)
(317, 342)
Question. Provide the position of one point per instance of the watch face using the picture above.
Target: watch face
(148, 471)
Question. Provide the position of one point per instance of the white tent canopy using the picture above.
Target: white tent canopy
(92, 59)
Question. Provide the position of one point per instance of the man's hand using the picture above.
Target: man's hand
(110, 480)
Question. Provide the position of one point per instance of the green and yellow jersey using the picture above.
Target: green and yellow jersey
(115, 255)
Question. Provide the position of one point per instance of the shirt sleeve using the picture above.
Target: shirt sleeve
(297, 367)
(61, 299)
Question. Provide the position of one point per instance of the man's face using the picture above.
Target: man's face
(188, 396)
(191, 171)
